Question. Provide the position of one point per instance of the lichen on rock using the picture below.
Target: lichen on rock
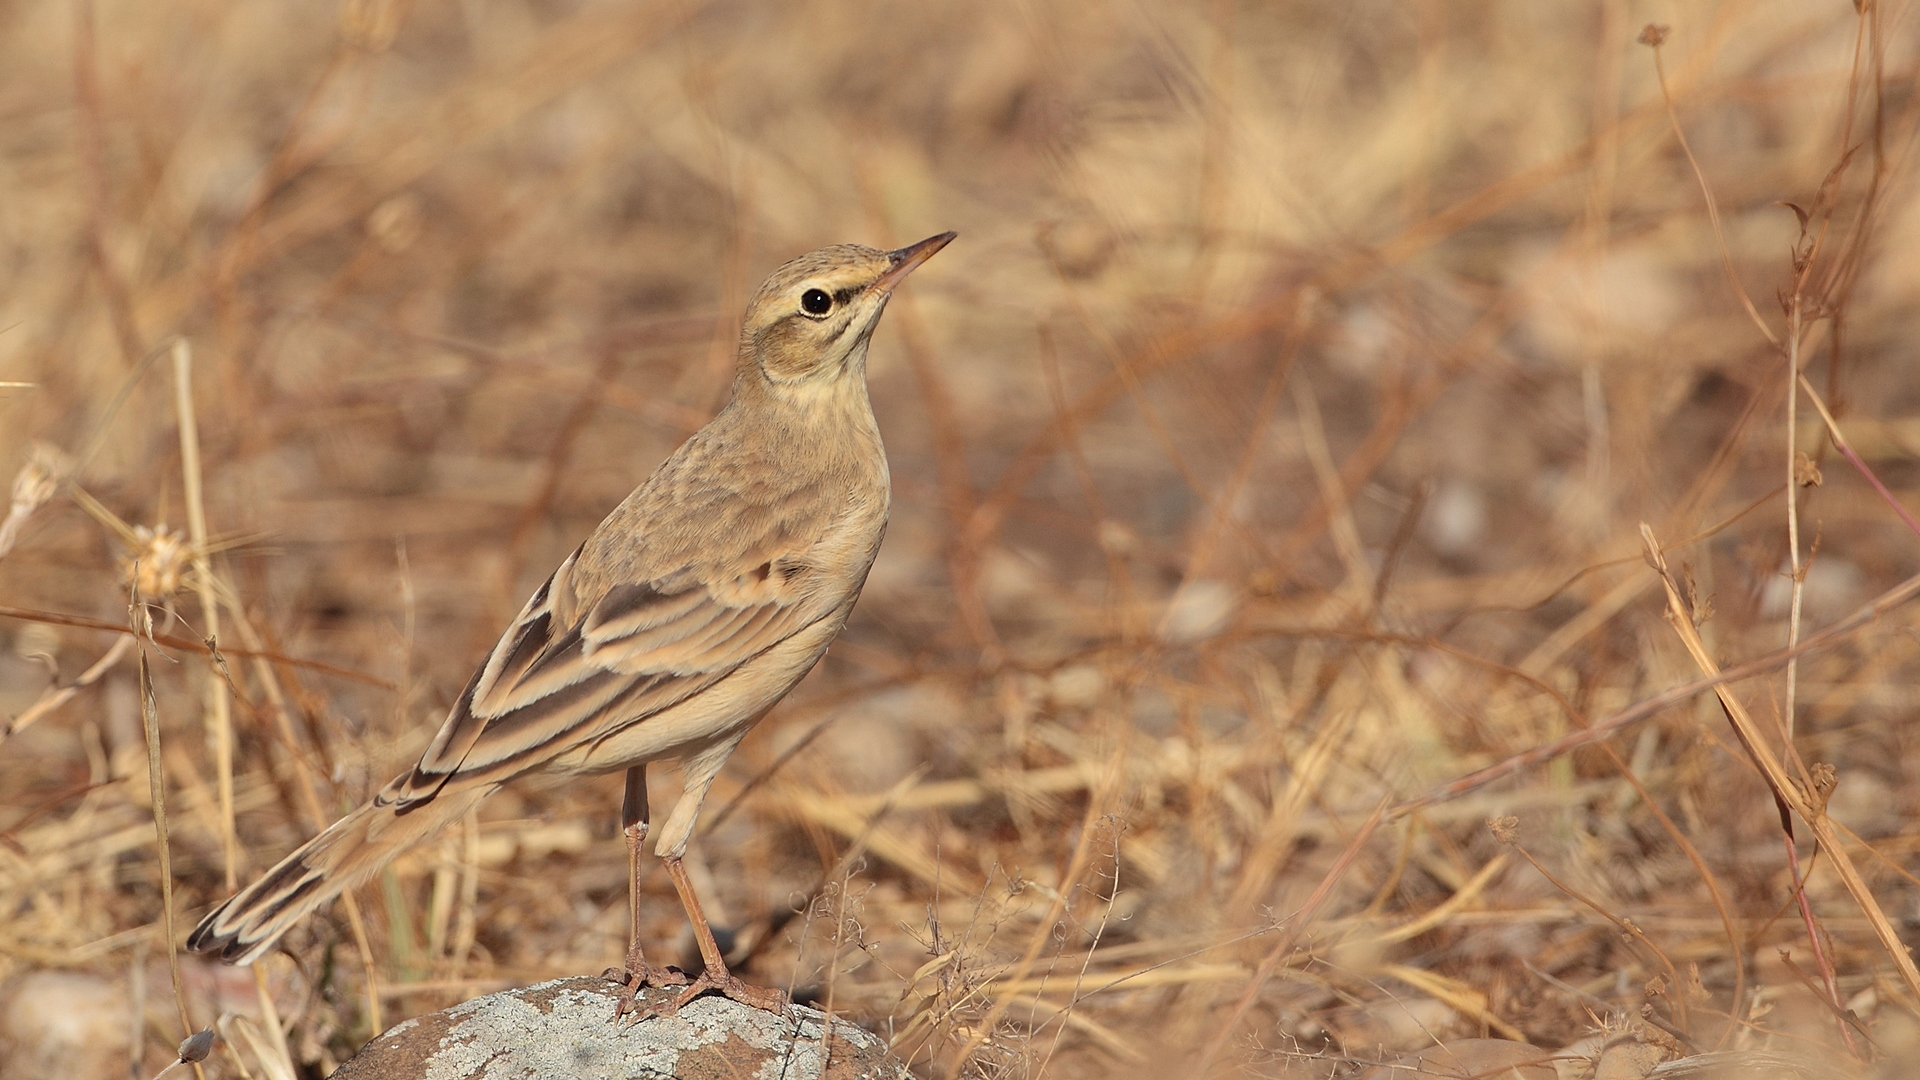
(564, 1030)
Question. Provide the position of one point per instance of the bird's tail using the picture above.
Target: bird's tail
(349, 852)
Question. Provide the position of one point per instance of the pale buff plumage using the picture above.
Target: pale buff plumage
(699, 602)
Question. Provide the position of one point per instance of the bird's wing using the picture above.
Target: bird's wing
(573, 670)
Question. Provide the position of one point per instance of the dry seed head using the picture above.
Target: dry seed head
(197, 1046)
(1825, 779)
(1805, 472)
(158, 563)
(39, 478)
(33, 485)
(1699, 604)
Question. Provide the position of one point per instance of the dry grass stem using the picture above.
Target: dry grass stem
(219, 713)
(157, 795)
(1806, 794)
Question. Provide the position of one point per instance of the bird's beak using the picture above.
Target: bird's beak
(905, 259)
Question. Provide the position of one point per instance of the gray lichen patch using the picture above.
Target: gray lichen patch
(564, 1030)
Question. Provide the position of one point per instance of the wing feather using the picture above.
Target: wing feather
(631, 609)
(638, 649)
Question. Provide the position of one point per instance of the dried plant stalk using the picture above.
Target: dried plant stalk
(1803, 796)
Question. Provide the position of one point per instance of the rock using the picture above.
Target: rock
(63, 1023)
(1482, 1059)
(564, 1030)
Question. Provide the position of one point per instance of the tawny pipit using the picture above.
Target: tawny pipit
(693, 608)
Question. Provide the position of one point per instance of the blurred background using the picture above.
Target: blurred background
(1272, 446)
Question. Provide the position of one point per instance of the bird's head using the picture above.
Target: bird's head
(813, 316)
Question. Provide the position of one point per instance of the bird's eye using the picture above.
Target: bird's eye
(816, 302)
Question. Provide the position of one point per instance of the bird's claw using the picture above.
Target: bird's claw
(633, 978)
(764, 998)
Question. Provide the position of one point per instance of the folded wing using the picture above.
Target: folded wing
(568, 672)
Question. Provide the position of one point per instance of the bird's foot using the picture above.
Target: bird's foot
(764, 998)
(637, 974)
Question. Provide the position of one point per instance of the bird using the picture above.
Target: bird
(686, 615)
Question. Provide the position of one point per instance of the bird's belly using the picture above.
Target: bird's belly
(723, 709)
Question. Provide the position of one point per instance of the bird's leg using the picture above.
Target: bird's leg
(637, 973)
(716, 976)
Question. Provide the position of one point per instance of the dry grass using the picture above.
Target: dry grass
(1272, 449)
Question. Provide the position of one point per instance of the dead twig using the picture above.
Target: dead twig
(55, 618)
(1862, 617)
